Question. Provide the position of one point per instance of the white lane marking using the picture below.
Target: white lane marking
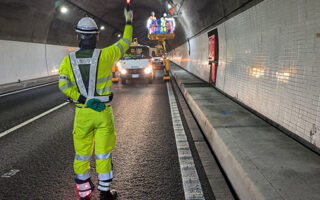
(30, 88)
(10, 173)
(32, 119)
(191, 183)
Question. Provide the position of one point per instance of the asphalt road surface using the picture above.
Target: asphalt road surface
(37, 159)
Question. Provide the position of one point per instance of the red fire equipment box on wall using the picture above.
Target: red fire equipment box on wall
(213, 54)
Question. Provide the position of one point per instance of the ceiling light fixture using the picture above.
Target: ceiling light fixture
(102, 28)
(63, 9)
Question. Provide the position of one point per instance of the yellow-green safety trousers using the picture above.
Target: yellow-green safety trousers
(92, 128)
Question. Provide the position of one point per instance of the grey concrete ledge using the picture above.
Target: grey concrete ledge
(10, 87)
(260, 161)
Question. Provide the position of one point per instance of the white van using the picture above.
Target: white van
(136, 64)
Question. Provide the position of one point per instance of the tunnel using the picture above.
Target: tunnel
(207, 99)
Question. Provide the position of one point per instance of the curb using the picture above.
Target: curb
(11, 87)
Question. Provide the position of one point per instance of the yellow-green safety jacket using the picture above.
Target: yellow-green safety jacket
(88, 73)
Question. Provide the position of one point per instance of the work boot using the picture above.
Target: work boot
(85, 188)
(108, 195)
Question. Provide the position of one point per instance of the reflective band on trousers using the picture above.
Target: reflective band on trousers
(103, 156)
(104, 184)
(83, 176)
(82, 158)
(93, 74)
(105, 189)
(105, 176)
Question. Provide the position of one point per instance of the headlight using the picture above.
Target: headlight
(123, 71)
(148, 70)
(120, 68)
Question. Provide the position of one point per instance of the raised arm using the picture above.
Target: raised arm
(120, 47)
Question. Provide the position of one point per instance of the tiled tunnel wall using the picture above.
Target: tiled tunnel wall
(269, 60)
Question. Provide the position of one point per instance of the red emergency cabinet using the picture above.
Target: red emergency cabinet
(213, 54)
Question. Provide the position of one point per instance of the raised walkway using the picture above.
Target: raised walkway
(260, 161)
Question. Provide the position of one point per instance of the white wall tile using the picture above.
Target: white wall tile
(269, 60)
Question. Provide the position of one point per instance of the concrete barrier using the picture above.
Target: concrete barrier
(10, 87)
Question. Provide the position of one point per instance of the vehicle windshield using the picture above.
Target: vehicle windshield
(137, 53)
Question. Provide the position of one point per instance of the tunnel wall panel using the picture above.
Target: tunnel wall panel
(196, 62)
(24, 60)
(269, 60)
(221, 71)
(55, 55)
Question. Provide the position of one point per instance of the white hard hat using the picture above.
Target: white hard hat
(87, 25)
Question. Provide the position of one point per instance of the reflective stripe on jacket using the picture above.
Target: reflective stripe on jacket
(107, 59)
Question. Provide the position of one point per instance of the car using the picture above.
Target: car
(158, 63)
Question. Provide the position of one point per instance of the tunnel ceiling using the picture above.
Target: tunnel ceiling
(41, 20)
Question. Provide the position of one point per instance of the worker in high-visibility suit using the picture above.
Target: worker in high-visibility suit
(164, 24)
(171, 24)
(86, 76)
(152, 23)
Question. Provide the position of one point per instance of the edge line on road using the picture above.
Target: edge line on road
(31, 120)
(26, 89)
(190, 179)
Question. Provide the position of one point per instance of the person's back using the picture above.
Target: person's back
(86, 77)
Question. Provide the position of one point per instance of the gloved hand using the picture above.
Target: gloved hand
(128, 14)
(95, 104)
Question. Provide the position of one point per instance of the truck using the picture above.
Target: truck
(161, 61)
(136, 64)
